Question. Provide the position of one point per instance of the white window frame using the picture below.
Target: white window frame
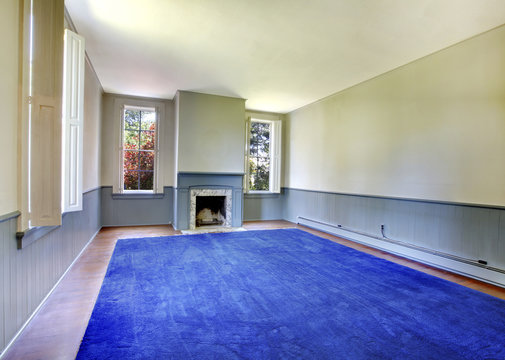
(274, 185)
(121, 105)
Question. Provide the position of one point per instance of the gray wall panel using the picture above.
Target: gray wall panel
(123, 210)
(473, 232)
(263, 207)
(27, 275)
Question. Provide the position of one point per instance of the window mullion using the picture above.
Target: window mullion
(138, 156)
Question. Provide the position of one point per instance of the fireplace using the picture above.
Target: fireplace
(210, 207)
(191, 184)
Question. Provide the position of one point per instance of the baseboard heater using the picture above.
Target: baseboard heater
(464, 266)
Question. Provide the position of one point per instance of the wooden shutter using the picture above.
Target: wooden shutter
(73, 104)
(275, 157)
(246, 155)
(45, 125)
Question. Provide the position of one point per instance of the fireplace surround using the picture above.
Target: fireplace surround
(191, 184)
(197, 193)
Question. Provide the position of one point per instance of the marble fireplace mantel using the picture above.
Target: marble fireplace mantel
(194, 193)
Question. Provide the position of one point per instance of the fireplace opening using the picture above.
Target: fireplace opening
(210, 211)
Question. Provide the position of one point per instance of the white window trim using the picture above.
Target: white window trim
(119, 106)
(275, 155)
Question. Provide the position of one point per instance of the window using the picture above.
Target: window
(136, 162)
(139, 144)
(263, 156)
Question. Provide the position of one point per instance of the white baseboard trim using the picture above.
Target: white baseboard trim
(37, 309)
(476, 272)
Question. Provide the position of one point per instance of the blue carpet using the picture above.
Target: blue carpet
(281, 294)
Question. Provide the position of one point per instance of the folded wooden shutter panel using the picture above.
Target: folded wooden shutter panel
(45, 129)
(275, 157)
(73, 113)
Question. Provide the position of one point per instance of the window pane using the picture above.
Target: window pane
(259, 144)
(259, 156)
(146, 160)
(260, 132)
(131, 160)
(260, 181)
(147, 140)
(131, 119)
(260, 148)
(252, 174)
(148, 120)
(131, 139)
(146, 180)
(259, 173)
(131, 180)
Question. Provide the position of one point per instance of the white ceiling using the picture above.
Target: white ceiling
(277, 54)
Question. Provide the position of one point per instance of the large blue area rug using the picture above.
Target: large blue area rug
(281, 294)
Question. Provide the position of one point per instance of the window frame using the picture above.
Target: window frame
(141, 107)
(275, 155)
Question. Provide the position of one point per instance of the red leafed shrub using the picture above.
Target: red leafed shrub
(138, 159)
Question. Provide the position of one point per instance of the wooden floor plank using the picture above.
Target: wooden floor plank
(56, 331)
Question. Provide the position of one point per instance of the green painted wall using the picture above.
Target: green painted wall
(92, 129)
(211, 133)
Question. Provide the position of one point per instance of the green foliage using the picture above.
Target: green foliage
(259, 156)
(259, 176)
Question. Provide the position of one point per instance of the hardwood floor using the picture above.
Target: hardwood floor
(57, 329)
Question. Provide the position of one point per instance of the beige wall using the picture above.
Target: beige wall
(211, 133)
(92, 129)
(433, 129)
(9, 32)
(108, 140)
(110, 137)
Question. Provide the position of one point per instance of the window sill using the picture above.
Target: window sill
(27, 237)
(261, 194)
(31, 235)
(137, 195)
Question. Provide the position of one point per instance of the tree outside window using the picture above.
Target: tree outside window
(259, 156)
(139, 136)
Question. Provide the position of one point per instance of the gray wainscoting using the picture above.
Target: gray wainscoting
(263, 207)
(137, 209)
(187, 181)
(27, 275)
(470, 232)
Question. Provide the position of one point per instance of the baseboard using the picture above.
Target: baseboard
(476, 272)
(277, 219)
(37, 309)
(124, 225)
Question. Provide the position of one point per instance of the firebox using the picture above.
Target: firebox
(210, 210)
